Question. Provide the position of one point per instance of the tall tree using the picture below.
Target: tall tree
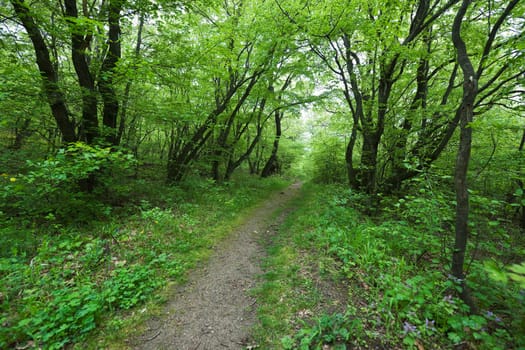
(80, 43)
(471, 77)
(55, 96)
(82, 28)
(106, 83)
(369, 61)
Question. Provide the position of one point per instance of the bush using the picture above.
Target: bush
(398, 265)
(56, 189)
(328, 160)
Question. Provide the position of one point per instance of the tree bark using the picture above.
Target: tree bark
(48, 73)
(79, 44)
(272, 165)
(127, 90)
(520, 183)
(22, 132)
(349, 157)
(352, 91)
(106, 82)
(466, 112)
(419, 103)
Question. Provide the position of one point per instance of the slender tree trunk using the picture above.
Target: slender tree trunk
(399, 170)
(349, 157)
(352, 92)
(272, 166)
(127, 90)
(520, 183)
(233, 165)
(470, 90)
(179, 162)
(21, 133)
(221, 148)
(466, 112)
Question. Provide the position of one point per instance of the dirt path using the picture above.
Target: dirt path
(213, 310)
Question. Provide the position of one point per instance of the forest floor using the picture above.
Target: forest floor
(214, 309)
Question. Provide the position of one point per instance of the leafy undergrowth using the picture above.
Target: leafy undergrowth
(396, 272)
(78, 278)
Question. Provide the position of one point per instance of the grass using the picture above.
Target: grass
(296, 280)
(89, 285)
(392, 274)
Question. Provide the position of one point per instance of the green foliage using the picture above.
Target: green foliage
(328, 161)
(69, 280)
(336, 329)
(130, 286)
(50, 299)
(70, 314)
(54, 189)
(62, 238)
(397, 272)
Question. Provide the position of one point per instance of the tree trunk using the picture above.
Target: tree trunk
(466, 109)
(349, 158)
(21, 133)
(48, 73)
(79, 45)
(399, 170)
(272, 166)
(222, 145)
(232, 165)
(369, 162)
(107, 72)
(520, 184)
(127, 90)
(466, 112)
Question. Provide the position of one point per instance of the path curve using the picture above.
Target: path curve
(213, 310)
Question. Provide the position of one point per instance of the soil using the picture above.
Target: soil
(214, 310)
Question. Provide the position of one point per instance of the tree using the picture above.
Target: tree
(370, 61)
(272, 165)
(82, 29)
(48, 72)
(466, 114)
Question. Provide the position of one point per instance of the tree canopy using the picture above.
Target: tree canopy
(376, 95)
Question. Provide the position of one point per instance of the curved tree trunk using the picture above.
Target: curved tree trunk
(466, 112)
(272, 165)
(48, 73)
(349, 157)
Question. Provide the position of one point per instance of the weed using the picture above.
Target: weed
(397, 270)
(59, 281)
(336, 330)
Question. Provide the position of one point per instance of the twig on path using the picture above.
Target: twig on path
(153, 337)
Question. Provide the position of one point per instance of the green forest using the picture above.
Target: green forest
(135, 135)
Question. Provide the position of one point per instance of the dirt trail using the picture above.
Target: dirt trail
(213, 310)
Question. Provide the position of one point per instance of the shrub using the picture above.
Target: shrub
(52, 190)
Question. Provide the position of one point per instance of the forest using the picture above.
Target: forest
(135, 135)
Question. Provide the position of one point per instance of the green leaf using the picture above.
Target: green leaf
(495, 271)
(287, 342)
